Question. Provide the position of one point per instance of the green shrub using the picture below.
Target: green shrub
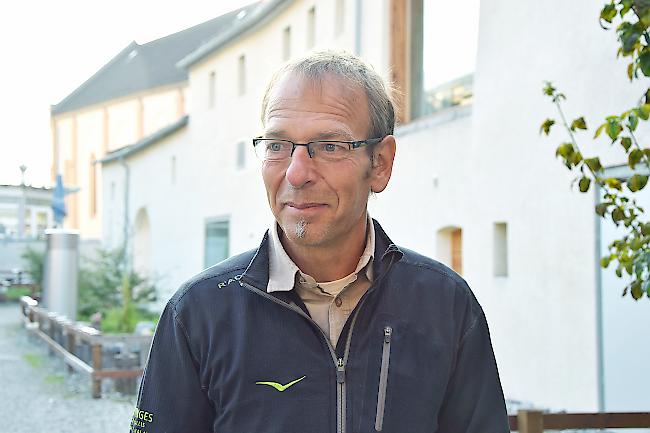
(15, 293)
(105, 287)
(35, 261)
(113, 320)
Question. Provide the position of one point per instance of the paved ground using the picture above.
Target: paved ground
(38, 395)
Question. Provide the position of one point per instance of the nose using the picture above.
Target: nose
(300, 169)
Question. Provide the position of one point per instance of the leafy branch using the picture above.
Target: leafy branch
(630, 253)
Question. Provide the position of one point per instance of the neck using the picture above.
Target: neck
(329, 262)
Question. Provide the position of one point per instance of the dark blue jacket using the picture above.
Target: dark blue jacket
(414, 356)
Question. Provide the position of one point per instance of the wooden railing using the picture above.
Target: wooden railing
(65, 338)
(530, 421)
(48, 326)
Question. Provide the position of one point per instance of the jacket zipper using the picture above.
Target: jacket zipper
(339, 363)
(383, 379)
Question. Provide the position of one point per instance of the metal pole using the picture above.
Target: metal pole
(125, 228)
(22, 204)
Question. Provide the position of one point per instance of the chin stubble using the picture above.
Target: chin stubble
(300, 229)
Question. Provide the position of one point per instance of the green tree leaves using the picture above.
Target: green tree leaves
(594, 164)
(579, 123)
(631, 252)
(546, 126)
(637, 182)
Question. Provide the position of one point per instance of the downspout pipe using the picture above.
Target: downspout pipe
(357, 27)
(125, 228)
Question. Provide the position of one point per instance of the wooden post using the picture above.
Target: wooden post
(530, 421)
(50, 331)
(70, 344)
(97, 368)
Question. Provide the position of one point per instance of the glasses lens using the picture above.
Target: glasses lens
(330, 150)
(272, 150)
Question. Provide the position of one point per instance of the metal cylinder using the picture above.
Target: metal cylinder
(60, 277)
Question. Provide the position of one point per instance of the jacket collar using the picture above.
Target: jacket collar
(257, 272)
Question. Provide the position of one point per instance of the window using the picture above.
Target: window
(339, 17)
(450, 247)
(241, 155)
(241, 74)
(286, 43)
(212, 89)
(93, 186)
(311, 27)
(216, 242)
(112, 191)
(436, 85)
(500, 250)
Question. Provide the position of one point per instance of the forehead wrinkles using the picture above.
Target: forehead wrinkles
(322, 96)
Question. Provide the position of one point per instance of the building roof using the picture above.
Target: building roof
(256, 16)
(141, 67)
(145, 142)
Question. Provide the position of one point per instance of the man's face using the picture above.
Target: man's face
(316, 203)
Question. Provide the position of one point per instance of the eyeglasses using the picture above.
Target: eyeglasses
(271, 149)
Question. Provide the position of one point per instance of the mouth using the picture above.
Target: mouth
(303, 206)
(304, 210)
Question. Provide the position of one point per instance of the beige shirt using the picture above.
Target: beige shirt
(329, 303)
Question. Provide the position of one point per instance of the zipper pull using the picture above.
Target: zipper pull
(340, 371)
(388, 331)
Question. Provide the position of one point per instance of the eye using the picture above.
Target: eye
(275, 146)
(333, 147)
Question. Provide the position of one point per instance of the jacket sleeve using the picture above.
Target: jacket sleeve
(171, 399)
(474, 399)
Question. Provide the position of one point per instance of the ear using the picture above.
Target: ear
(383, 157)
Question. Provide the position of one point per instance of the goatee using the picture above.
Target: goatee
(300, 229)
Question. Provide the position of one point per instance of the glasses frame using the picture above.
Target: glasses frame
(352, 144)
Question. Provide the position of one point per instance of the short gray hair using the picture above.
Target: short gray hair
(353, 70)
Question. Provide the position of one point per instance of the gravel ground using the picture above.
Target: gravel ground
(38, 395)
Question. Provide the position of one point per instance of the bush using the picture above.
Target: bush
(113, 322)
(105, 287)
(35, 265)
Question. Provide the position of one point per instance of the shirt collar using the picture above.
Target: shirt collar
(282, 270)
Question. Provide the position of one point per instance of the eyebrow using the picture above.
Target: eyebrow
(275, 133)
(332, 134)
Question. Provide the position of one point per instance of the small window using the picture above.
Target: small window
(311, 27)
(173, 170)
(216, 242)
(241, 74)
(286, 43)
(112, 191)
(450, 247)
(500, 250)
(241, 155)
(339, 17)
(212, 90)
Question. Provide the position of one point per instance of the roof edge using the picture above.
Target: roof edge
(255, 19)
(53, 108)
(145, 142)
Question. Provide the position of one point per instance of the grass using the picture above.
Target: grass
(14, 293)
(113, 320)
(32, 359)
(54, 379)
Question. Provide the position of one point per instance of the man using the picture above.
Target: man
(328, 326)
